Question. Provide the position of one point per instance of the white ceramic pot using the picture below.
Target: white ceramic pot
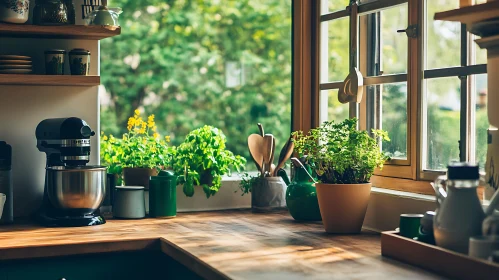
(14, 11)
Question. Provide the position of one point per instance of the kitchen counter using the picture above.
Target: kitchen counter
(234, 244)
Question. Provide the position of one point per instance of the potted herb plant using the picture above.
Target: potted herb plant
(139, 153)
(202, 159)
(344, 160)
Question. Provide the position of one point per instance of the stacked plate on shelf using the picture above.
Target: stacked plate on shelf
(15, 64)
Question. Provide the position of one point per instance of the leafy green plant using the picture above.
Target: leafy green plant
(141, 146)
(247, 182)
(202, 159)
(341, 154)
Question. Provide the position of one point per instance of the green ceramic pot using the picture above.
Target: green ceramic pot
(163, 195)
(301, 197)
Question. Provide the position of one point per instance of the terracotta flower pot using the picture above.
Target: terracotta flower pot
(343, 206)
(134, 176)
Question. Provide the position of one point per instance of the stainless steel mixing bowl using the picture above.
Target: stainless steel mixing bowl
(76, 190)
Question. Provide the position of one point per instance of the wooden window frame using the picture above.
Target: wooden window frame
(405, 175)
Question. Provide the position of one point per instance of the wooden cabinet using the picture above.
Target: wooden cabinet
(123, 266)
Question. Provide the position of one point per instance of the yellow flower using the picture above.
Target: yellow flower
(104, 138)
(167, 138)
(143, 128)
(124, 137)
(150, 121)
(137, 112)
(131, 123)
(155, 135)
(155, 128)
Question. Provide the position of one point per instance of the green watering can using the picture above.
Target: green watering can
(301, 195)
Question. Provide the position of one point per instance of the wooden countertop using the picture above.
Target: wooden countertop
(222, 245)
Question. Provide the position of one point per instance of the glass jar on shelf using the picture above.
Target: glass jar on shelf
(53, 12)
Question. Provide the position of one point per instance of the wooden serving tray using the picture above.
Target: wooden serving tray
(436, 259)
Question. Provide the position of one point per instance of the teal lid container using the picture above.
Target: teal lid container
(163, 195)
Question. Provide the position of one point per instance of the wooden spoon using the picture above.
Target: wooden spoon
(255, 146)
(285, 154)
(353, 85)
(260, 128)
(267, 153)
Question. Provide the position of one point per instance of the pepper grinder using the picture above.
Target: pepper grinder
(6, 182)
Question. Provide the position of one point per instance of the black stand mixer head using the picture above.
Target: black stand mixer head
(73, 191)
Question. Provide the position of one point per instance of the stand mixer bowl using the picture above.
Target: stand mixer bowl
(76, 190)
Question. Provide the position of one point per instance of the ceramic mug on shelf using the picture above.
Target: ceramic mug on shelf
(54, 62)
(14, 11)
(79, 62)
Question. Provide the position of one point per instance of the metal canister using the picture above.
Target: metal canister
(129, 202)
(6, 182)
(163, 195)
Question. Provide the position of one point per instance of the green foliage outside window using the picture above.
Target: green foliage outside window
(192, 63)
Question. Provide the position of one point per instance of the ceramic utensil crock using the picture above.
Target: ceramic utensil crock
(14, 11)
(459, 215)
(129, 202)
(79, 62)
(268, 193)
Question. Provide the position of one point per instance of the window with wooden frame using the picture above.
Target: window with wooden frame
(424, 83)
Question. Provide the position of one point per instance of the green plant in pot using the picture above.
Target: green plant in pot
(139, 153)
(344, 159)
(202, 159)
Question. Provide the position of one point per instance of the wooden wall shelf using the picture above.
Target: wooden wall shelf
(48, 80)
(58, 32)
(471, 14)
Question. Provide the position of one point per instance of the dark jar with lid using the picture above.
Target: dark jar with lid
(51, 12)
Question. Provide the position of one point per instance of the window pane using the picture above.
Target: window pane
(443, 37)
(394, 45)
(394, 117)
(480, 54)
(194, 63)
(334, 50)
(331, 108)
(482, 121)
(442, 117)
(328, 6)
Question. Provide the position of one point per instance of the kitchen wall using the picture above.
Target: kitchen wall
(23, 107)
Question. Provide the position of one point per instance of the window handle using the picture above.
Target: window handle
(411, 31)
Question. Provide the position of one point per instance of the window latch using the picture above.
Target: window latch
(411, 31)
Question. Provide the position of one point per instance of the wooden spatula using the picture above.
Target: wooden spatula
(285, 154)
(256, 146)
(353, 85)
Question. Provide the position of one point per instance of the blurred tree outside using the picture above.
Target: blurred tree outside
(224, 63)
(228, 64)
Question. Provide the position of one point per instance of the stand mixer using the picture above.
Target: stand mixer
(73, 190)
